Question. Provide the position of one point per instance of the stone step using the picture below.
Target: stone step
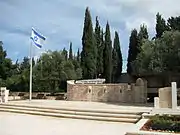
(106, 111)
(97, 114)
(73, 116)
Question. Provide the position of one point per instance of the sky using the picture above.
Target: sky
(61, 21)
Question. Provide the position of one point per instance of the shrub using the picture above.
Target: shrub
(165, 123)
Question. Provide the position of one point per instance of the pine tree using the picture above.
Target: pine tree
(108, 55)
(133, 50)
(70, 52)
(88, 54)
(116, 59)
(160, 25)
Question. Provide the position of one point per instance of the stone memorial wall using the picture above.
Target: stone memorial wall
(121, 93)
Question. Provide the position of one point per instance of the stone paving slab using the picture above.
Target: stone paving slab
(83, 105)
(20, 124)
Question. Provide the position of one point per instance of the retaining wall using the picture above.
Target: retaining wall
(122, 93)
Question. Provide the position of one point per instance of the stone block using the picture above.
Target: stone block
(165, 97)
(3, 88)
(156, 102)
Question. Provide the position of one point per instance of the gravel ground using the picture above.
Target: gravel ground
(21, 124)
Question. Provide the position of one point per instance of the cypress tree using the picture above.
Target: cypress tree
(78, 55)
(33, 62)
(116, 59)
(108, 55)
(99, 48)
(133, 50)
(160, 25)
(88, 55)
(65, 53)
(101, 55)
(2, 60)
(174, 23)
(70, 51)
(143, 33)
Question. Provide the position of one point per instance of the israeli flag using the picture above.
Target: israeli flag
(37, 38)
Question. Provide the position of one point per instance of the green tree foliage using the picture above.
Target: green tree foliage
(141, 63)
(2, 61)
(100, 47)
(116, 59)
(160, 25)
(78, 56)
(25, 64)
(133, 50)
(70, 51)
(101, 55)
(143, 33)
(6, 66)
(161, 55)
(174, 23)
(65, 53)
(18, 79)
(52, 70)
(141, 37)
(108, 55)
(89, 49)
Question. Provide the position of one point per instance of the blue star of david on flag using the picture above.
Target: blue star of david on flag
(37, 38)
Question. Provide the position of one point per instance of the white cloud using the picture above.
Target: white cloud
(61, 21)
(131, 23)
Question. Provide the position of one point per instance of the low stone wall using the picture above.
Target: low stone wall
(37, 95)
(122, 93)
(12, 98)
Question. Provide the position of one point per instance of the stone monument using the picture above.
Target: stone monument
(4, 95)
(174, 95)
(140, 91)
(167, 97)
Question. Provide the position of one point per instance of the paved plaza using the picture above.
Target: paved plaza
(22, 124)
(84, 105)
(19, 124)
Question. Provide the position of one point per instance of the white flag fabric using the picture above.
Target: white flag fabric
(37, 38)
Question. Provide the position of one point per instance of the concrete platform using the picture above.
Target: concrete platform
(83, 105)
(77, 110)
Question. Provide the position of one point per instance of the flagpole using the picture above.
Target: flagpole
(30, 76)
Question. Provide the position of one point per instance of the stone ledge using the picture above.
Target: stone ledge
(149, 133)
(140, 124)
(74, 115)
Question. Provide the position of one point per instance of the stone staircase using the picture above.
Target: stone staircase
(88, 114)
